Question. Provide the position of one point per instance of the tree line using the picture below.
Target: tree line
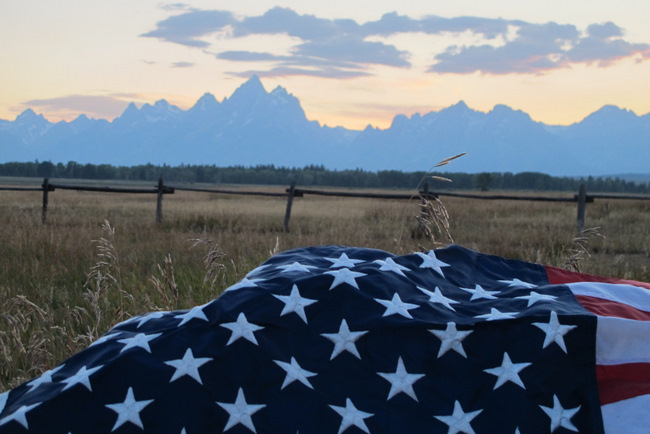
(319, 176)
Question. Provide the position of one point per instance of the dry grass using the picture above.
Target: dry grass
(433, 222)
(101, 258)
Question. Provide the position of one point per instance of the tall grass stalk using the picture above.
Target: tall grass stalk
(578, 250)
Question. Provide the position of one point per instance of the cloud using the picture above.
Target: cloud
(335, 40)
(295, 66)
(538, 48)
(256, 56)
(250, 56)
(287, 71)
(101, 106)
(390, 24)
(604, 31)
(182, 64)
(175, 7)
(492, 60)
(489, 28)
(605, 52)
(286, 21)
(187, 28)
(344, 48)
(79, 102)
(354, 50)
(604, 45)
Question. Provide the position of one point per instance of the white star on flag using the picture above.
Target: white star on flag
(149, 317)
(516, 283)
(344, 275)
(19, 415)
(195, 312)
(295, 303)
(45, 378)
(344, 340)
(244, 283)
(351, 416)
(478, 292)
(294, 372)
(437, 297)
(242, 329)
(81, 377)
(554, 331)
(188, 365)
(508, 371)
(343, 261)
(240, 411)
(107, 337)
(129, 410)
(560, 417)
(296, 266)
(459, 421)
(140, 340)
(534, 297)
(396, 306)
(257, 270)
(451, 339)
(495, 315)
(401, 381)
(390, 265)
(430, 260)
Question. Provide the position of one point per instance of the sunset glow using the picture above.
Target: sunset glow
(347, 66)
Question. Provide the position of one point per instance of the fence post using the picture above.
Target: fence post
(287, 215)
(159, 201)
(46, 190)
(582, 200)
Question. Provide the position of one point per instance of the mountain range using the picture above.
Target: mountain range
(254, 126)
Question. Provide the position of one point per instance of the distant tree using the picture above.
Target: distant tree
(318, 175)
(45, 169)
(483, 181)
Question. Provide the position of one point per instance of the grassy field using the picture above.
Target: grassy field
(101, 257)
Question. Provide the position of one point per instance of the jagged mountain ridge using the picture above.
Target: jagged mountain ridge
(254, 126)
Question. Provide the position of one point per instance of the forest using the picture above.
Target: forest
(318, 175)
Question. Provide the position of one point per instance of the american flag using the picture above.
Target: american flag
(353, 340)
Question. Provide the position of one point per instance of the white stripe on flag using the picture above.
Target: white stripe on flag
(630, 416)
(620, 340)
(634, 296)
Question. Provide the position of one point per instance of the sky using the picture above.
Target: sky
(351, 63)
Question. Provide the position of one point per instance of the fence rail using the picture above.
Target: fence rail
(21, 188)
(581, 198)
(425, 192)
(236, 192)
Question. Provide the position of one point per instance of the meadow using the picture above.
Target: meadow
(101, 258)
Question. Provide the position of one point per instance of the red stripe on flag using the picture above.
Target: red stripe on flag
(602, 307)
(619, 382)
(557, 276)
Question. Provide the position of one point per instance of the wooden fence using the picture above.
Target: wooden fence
(581, 197)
